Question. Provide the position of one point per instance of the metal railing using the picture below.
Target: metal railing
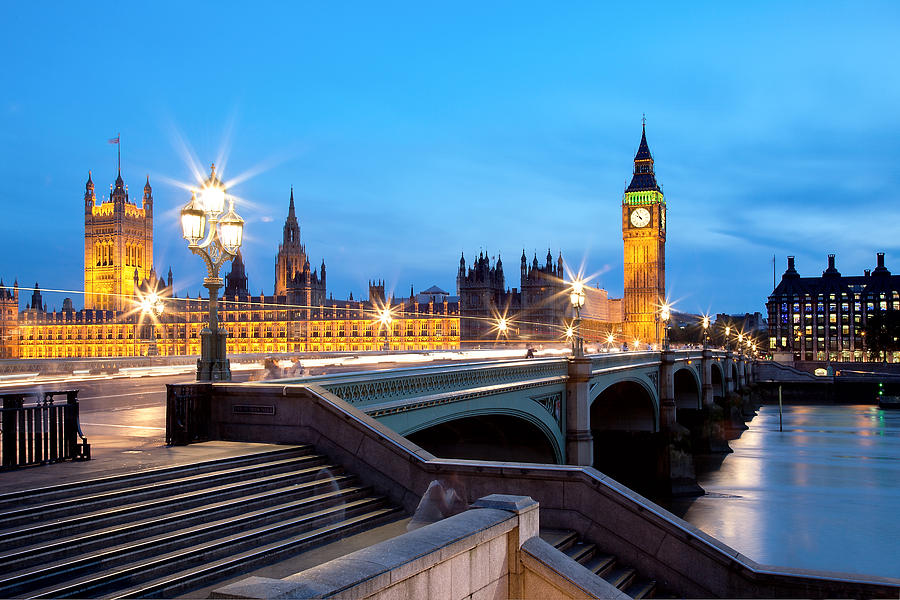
(35, 429)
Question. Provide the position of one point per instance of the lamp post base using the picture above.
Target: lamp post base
(213, 364)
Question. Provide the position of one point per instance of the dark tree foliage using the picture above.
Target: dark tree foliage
(882, 333)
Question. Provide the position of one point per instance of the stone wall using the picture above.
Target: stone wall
(621, 522)
(491, 551)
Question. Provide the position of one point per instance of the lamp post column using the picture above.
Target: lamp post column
(213, 364)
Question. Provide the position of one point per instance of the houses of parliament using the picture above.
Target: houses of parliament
(299, 316)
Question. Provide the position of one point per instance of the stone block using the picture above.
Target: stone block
(499, 556)
(497, 589)
(460, 585)
(440, 582)
(480, 566)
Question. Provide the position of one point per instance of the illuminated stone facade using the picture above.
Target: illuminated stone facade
(297, 318)
(821, 318)
(644, 237)
(9, 321)
(538, 312)
(118, 245)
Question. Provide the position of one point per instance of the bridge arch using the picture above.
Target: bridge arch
(717, 377)
(627, 404)
(490, 434)
(687, 389)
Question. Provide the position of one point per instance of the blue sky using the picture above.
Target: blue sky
(414, 131)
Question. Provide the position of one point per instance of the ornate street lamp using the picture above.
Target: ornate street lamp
(728, 337)
(705, 332)
(200, 217)
(576, 297)
(664, 313)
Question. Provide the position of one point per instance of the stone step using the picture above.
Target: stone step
(580, 552)
(103, 572)
(641, 588)
(92, 540)
(114, 582)
(131, 492)
(606, 566)
(43, 496)
(184, 582)
(620, 576)
(89, 521)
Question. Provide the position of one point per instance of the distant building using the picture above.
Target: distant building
(538, 311)
(9, 321)
(748, 322)
(298, 317)
(118, 245)
(644, 239)
(293, 276)
(821, 318)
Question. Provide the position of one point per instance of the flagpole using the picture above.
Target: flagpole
(119, 151)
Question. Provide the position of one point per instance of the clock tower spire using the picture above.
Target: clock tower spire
(644, 237)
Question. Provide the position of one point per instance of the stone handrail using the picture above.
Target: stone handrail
(491, 550)
(679, 556)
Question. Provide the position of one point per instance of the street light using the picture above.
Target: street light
(728, 337)
(705, 332)
(223, 239)
(576, 297)
(664, 313)
(152, 306)
(610, 340)
(385, 318)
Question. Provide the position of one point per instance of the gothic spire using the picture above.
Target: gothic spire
(643, 180)
(291, 207)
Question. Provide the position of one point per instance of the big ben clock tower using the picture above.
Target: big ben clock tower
(644, 235)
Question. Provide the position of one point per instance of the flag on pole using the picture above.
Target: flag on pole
(114, 140)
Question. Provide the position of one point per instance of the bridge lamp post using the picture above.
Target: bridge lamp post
(503, 326)
(576, 297)
(705, 332)
(728, 337)
(153, 307)
(224, 231)
(610, 340)
(664, 314)
(385, 318)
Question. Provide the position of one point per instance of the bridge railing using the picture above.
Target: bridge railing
(397, 384)
(371, 387)
(36, 429)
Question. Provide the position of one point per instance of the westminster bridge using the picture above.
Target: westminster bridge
(548, 410)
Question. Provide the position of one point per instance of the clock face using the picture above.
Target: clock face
(640, 217)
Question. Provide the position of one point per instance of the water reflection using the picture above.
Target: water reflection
(822, 494)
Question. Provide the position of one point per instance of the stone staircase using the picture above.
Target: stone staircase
(606, 566)
(165, 532)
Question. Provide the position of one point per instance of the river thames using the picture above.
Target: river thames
(822, 494)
